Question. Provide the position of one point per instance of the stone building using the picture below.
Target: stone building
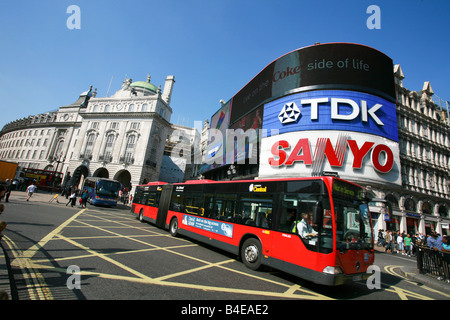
(120, 137)
(423, 202)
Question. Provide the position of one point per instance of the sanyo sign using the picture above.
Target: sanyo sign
(353, 133)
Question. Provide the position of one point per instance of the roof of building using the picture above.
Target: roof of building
(145, 85)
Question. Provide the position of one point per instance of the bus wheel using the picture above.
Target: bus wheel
(174, 227)
(141, 216)
(251, 254)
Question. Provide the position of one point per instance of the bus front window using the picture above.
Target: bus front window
(353, 225)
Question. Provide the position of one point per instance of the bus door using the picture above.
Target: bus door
(164, 203)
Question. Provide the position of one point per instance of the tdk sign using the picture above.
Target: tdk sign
(332, 110)
(355, 109)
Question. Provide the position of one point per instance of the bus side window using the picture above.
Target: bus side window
(177, 202)
(208, 202)
(151, 199)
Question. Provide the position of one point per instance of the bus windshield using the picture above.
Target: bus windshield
(108, 188)
(353, 228)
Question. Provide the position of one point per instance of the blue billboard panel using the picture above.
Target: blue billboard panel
(339, 110)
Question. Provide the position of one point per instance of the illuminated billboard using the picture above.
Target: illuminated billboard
(326, 107)
(325, 66)
(215, 154)
(354, 156)
(332, 110)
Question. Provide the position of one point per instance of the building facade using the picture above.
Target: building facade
(422, 203)
(120, 137)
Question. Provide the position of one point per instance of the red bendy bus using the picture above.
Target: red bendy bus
(260, 220)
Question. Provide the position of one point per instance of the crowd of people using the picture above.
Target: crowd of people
(407, 244)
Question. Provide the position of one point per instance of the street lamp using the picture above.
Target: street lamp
(58, 161)
(231, 171)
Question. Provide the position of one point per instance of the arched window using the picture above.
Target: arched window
(392, 200)
(129, 148)
(89, 144)
(427, 209)
(443, 211)
(410, 205)
(59, 149)
(107, 153)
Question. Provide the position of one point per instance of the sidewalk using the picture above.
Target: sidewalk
(4, 272)
(412, 273)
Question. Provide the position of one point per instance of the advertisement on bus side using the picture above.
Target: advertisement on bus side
(218, 227)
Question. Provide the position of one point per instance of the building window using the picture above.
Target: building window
(107, 153)
(129, 149)
(89, 145)
(59, 148)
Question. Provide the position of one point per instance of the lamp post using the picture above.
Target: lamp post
(58, 161)
(231, 171)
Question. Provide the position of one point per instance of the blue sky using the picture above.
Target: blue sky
(212, 47)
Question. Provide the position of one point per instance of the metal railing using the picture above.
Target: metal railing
(434, 263)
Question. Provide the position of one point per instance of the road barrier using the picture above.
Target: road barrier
(434, 263)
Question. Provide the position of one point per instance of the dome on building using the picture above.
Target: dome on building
(145, 86)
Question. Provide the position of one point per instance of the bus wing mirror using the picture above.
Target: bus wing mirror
(318, 214)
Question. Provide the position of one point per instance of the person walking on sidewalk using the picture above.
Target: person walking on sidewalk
(407, 242)
(30, 190)
(389, 242)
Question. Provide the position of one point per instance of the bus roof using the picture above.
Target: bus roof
(208, 181)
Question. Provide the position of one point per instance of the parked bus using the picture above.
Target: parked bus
(102, 191)
(261, 221)
(43, 179)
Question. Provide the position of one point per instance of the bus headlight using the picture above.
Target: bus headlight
(332, 270)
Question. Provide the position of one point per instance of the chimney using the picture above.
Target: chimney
(168, 87)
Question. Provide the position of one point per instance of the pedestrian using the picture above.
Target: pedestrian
(380, 241)
(72, 199)
(446, 244)
(400, 244)
(2, 193)
(30, 190)
(434, 241)
(389, 242)
(84, 198)
(407, 242)
(9, 187)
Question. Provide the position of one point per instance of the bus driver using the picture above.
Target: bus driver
(304, 229)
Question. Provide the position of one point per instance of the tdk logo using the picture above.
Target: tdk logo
(290, 112)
